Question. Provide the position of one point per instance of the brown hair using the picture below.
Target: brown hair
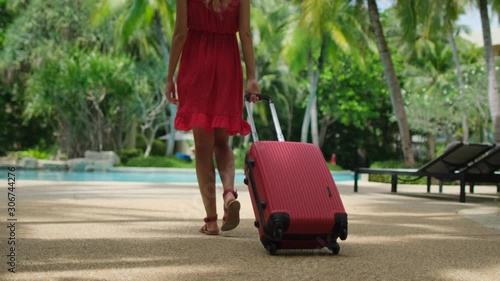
(217, 5)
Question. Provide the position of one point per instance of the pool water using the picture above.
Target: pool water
(134, 175)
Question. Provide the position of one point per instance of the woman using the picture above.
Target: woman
(210, 93)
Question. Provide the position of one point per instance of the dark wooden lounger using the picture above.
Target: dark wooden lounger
(461, 162)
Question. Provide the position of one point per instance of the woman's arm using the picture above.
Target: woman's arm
(247, 48)
(178, 38)
(246, 39)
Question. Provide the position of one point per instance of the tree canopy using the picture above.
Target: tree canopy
(89, 74)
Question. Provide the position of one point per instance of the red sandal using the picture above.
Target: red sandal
(204, 228)
(231, 217)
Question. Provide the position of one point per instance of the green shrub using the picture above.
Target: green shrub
(126, 154)
(35, 153)
(239, 155)
(159, 147)
(159, 162)
(387, 164)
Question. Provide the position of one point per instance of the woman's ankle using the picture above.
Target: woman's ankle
(229, 195)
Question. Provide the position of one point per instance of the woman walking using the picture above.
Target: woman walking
(210, 93)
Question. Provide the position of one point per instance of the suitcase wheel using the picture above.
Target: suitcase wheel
(278, 232)
(335, 248)
(245, 181)
(272, 248)
(256, 224)
(343, 235)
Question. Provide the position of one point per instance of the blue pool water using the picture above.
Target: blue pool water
(134, 175)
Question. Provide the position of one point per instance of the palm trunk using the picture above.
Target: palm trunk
(431, 146)
(325, 123)
(314, 110)
(490, 66)
(461, 87)
(290, 119)
(311, 114)
(312, 91)
(393, 84)
(311, 109)
(314, 122)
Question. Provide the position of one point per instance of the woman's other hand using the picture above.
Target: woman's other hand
(170, 93)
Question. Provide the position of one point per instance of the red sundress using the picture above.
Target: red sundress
(210, 79)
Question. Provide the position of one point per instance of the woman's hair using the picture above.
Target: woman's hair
(217, 5)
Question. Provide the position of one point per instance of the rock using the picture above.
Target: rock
(52, 165)
(28, 163)
(7, 162)
(101, 165)
(103, 155)
(79, 164)
(95, 161)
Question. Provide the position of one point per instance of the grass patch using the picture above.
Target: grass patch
(391, 164)
(335, 168)
(130, 158)
(40, 154)
(159, 162)
(409, 179)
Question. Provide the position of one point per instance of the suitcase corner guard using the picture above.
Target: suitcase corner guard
(340, 226)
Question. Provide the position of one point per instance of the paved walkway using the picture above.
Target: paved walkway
(138, 231)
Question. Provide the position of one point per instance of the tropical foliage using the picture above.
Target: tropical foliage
(89, 74)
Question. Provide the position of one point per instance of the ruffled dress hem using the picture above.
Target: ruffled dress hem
(233, 125)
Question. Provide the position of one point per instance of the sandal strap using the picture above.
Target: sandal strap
(203, 228)
(235, 193)
(209, 219)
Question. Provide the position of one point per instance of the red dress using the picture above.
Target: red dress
(210, 79)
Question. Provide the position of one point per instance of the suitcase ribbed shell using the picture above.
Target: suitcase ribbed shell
(293, 178)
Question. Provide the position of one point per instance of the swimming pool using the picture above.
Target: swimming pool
(135, 175)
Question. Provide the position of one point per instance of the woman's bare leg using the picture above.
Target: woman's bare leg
(225, 164)
(225, 161)
(204, 149)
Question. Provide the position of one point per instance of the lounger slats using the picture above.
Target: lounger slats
(467, 163)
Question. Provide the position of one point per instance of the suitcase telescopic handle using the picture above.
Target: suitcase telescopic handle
(276, 121)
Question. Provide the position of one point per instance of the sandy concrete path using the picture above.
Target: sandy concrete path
(145, 231)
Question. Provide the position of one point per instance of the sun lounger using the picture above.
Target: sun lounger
(484, 169)
(451, 165)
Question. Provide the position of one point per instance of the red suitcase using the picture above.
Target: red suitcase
(295, 200)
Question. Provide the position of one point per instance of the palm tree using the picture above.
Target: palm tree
(430, 107)
(452, 11)
(393, 83)
(324, 27)
(141, 15)
(427, 22)
(269, 21)
(490, 66)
